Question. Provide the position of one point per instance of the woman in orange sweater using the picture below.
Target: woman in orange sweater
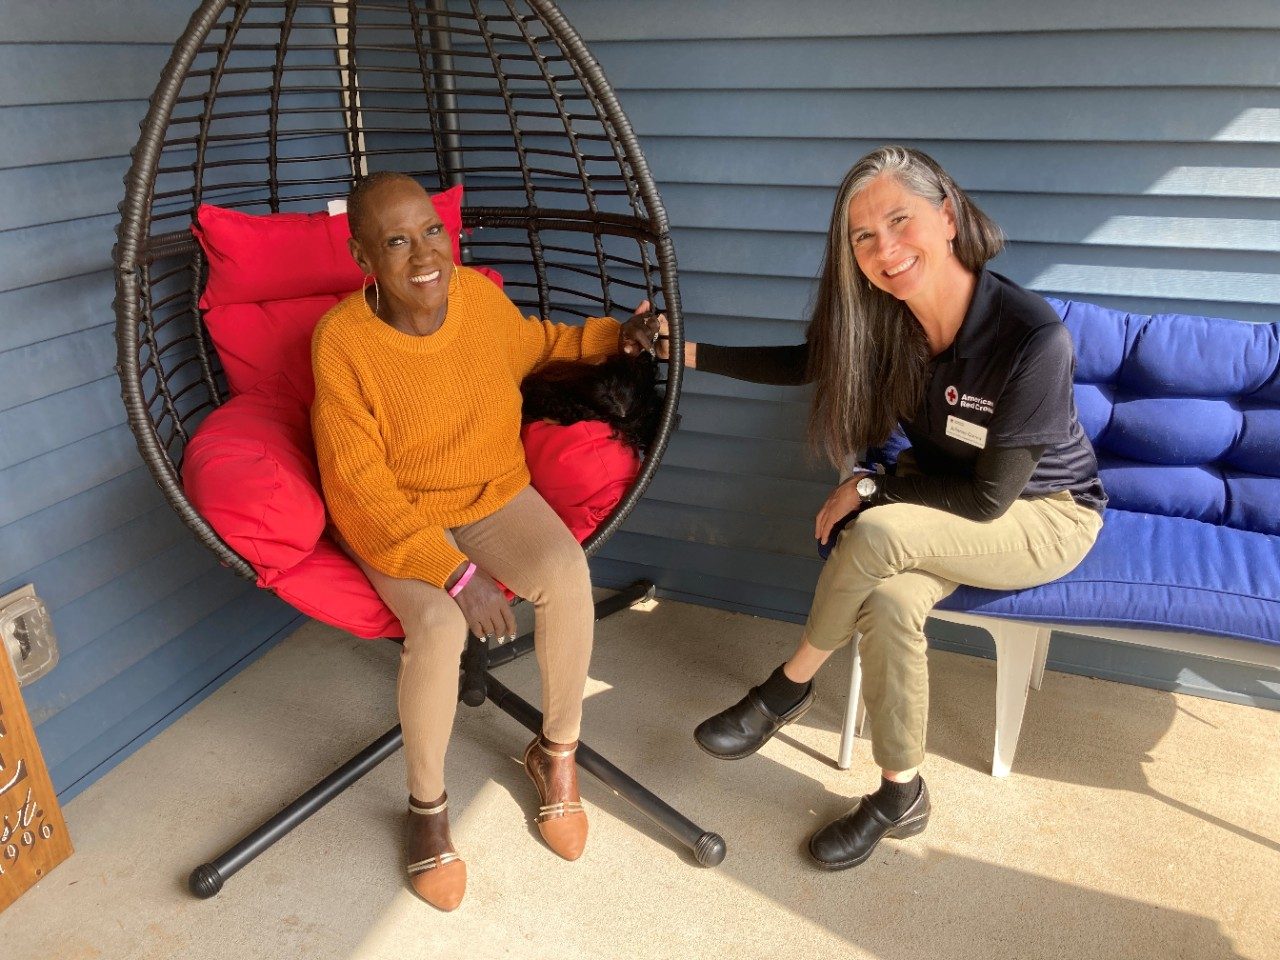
(417, 430)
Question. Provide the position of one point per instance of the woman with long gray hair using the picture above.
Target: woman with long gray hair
(999, 487)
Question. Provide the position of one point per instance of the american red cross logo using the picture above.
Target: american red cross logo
(953, 395)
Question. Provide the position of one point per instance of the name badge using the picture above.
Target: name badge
(967, 432)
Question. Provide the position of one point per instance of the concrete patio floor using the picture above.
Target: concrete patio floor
(1136, 823)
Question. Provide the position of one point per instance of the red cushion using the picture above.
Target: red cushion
(271, 279)
(581, 470)
(282, 256)
(256, 341)
(259, 340)
(250, 471)
(330, 587)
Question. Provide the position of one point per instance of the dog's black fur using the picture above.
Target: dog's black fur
(622, 392)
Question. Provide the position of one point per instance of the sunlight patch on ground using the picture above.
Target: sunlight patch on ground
(595, 686)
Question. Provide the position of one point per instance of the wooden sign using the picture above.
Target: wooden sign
(33, 835)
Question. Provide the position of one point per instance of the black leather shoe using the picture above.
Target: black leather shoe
(746, 726)
(850, 840)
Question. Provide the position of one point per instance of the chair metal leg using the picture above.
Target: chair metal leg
(708, 848)
(207, 879)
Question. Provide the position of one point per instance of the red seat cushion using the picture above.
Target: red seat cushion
(328, 586)
(580, 469)
(250, 471)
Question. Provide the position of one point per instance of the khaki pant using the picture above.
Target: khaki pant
(896, 562)
(527, 547)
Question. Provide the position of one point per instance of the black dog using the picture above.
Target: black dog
(622, 392)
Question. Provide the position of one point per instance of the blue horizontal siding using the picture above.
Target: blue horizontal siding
(28, 319)
(73, 22)
(1048, 61)
(114, 720)
(74, 574)
(59, 420)
(1117, 169)
(41, 536)
(1130, 151)
(146, 617)
(666, 20)
(1197, 223)
(1176, 116)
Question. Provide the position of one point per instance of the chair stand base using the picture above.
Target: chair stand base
(708, 848)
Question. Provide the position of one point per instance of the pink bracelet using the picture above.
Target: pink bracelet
(463, 580)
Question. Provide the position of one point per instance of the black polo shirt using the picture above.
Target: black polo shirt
(1006, 381)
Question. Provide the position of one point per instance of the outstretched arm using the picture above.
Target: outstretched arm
(781, 366)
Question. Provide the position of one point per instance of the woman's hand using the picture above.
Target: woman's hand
(639, 334)
(843, 501)
(664, 345)
(485, 606)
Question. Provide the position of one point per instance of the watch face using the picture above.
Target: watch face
(866, 487)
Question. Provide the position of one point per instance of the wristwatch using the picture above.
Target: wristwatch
(867, 487)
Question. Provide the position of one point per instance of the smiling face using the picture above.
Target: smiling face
(900, 240)
(403, 243)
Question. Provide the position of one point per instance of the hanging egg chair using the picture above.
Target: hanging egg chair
(279, 107)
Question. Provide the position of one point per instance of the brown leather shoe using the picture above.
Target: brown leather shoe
(563, 824)
(440, 880)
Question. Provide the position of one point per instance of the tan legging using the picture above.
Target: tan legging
(527, 547)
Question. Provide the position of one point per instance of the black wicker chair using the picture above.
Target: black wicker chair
(270, 106)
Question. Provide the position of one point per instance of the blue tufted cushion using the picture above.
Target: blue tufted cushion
(1184, 413)
(1153, 571)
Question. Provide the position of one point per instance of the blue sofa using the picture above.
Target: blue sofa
(1184, 413)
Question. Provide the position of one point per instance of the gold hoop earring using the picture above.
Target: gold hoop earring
(377, 296)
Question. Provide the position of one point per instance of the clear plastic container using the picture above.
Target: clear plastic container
(29, 639)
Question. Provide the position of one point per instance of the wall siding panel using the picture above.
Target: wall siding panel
(147, 619)
(1130, 151)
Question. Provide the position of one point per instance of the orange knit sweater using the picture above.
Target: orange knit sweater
(416, 435)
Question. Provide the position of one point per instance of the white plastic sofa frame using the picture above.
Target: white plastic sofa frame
(1022, 648)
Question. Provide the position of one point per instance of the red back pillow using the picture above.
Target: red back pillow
(272, 277)
(280, 256)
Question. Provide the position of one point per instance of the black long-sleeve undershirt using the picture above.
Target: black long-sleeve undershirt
(1000, 474)
(781, 366)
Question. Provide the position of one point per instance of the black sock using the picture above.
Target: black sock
(894, 799)
(780, 693)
